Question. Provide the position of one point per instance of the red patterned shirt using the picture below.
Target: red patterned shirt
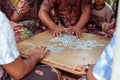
(7, 7)
(68, 12)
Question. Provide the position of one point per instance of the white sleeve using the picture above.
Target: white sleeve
(8, 48)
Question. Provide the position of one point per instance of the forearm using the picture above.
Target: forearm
(90, 75)
(24, 67)
(45, 18)
(84, 17)
(16, 16)
(31, 62)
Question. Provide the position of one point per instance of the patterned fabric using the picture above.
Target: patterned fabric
(6, 7)
(68, 12)
(103, 68)
(29, 20)
(8, 48)
(34, 8)
(104, 14)
(30, 28)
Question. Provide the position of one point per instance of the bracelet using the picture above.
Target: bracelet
(18, 12)
(87, 67)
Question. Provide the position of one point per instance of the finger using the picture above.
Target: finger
(43, 48)
(59, 34)
(46, 50)
(23, 2)
(55, 34)
(24, 10)
(38, 47)
(13, 24)
(18, 37)
(19, 32)
(65, 30)
(24, 7)
(78, 36)
(72, 32)
(17, 26)
(70, 28)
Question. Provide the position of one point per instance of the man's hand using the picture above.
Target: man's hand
(23, 7)
(107, 26)
(76, 31)
(17, 30)
(39, 52)
(58, 30)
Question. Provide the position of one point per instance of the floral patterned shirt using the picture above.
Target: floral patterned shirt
(68, 12)
(7, 7)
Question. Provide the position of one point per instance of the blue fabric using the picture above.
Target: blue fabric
(103, 68)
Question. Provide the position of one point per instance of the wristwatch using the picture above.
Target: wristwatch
(87, 67)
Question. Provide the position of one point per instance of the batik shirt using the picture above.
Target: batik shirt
(103, 68)
(68, 12)
(8, 48)
(7, 7)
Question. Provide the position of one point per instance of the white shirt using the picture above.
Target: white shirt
(8, 48)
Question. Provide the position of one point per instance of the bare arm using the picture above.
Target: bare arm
(19, 68)
(22, 8)
(84, 17)
(77, 29)
(90, 75)
(45, 18)
(16, 16)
